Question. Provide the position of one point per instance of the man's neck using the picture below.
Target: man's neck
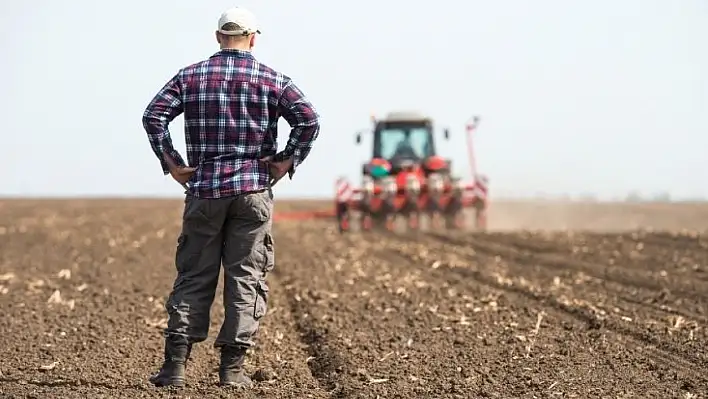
(240, 48)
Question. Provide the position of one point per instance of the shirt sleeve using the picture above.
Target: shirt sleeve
(164, 107)
(297, 110)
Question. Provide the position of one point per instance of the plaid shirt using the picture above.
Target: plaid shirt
(231, 105)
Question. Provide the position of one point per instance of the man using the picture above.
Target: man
(404, 149)
(231, 105)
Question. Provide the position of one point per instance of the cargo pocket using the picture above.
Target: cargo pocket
(180, 257)
(269, 250)
(256, 206)
(196, 209)
(261, 306)
(189, 249)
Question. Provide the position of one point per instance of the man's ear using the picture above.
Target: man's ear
(252, 41)
(218, 36)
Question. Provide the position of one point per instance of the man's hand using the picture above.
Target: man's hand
(181, 174)
(277, 169)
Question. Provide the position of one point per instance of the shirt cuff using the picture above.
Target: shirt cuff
(175, 156)
(289, 153)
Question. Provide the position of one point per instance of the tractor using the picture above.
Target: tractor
(407, 179)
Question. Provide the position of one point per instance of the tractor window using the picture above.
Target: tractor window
(405, 141)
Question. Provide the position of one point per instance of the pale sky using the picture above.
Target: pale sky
(602, 96)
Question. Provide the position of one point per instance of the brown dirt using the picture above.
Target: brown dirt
(524, 313)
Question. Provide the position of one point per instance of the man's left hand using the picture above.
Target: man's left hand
(277, 169)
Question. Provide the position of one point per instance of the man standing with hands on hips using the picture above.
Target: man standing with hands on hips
(231, 105)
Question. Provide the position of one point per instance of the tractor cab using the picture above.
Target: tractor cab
(403, 141)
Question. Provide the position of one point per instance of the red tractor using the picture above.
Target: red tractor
(406, 178)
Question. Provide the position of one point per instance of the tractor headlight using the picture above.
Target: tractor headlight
(435, 183)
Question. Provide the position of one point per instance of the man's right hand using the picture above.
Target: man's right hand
(277, 169)
(181, 174)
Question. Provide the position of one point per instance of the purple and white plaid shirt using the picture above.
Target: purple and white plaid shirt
(231, 105)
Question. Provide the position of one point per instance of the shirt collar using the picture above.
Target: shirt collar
(231, 52)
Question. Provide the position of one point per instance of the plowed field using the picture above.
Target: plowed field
(577, 313)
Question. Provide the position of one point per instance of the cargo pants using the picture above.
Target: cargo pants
(235, 232)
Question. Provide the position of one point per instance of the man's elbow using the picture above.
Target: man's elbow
(314, 120)
(147, 119)
(316, 123)
(152, 122)
(313, 128)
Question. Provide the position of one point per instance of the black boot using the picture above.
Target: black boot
(231, 367)
(172, 373)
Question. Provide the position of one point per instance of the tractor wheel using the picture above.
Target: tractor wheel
(344, 225)
(390, 223)
(456, 220)
(413, 220)
(366, 222)
(343, 219)
(434, 221)
(481, 219)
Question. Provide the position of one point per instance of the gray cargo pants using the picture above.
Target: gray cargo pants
(235, 231)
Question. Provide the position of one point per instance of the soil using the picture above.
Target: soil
(605, 307)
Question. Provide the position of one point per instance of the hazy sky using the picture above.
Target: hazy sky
(575, 96)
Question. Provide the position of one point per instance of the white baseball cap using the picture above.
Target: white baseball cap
(240, 16)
